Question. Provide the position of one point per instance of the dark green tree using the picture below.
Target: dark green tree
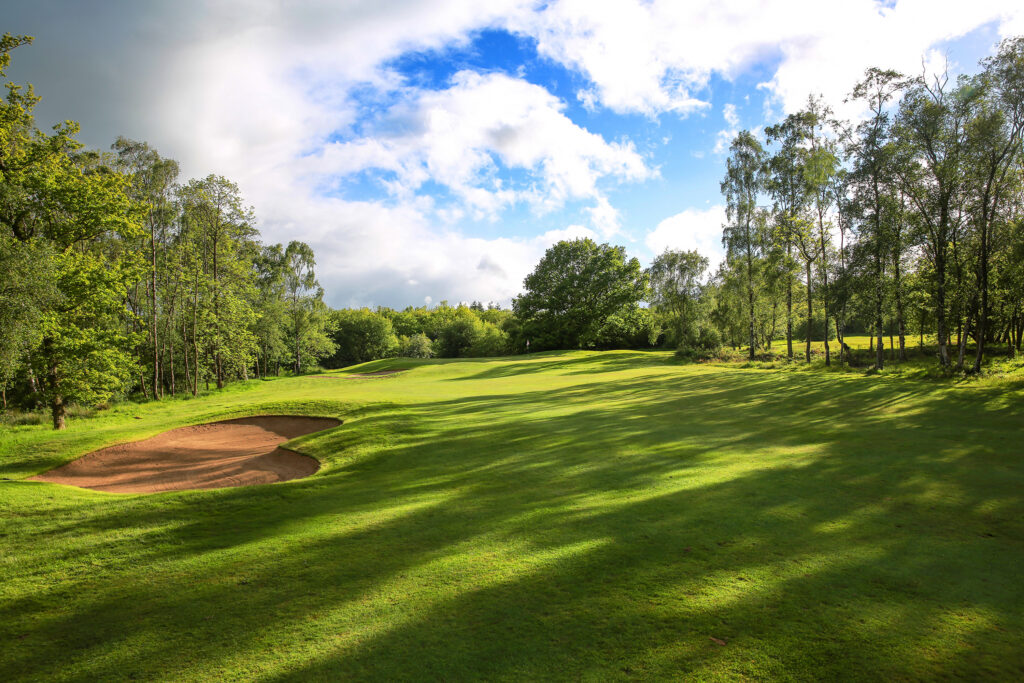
(576, 286)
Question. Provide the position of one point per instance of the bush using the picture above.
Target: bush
(705, 344)
(630, 328)
(493, 341)
(460, 334)
(416, 346)
(360, 336)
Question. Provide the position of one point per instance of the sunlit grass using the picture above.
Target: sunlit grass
(586, 515)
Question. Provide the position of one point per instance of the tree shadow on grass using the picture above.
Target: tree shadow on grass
(819, 528)
(581, 363)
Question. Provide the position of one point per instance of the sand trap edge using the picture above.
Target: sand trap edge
(264, 455)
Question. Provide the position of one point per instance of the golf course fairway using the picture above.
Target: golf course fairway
(585, 515)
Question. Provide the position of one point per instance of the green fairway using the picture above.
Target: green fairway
(595, 516)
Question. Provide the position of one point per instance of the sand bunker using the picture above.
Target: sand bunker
(239, 452)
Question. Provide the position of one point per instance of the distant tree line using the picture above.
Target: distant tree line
(581, 295)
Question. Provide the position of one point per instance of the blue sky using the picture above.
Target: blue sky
(433, 150)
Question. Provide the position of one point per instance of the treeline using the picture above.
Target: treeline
(119, 278)
(911, 219)
(444, 331)
(474, 330)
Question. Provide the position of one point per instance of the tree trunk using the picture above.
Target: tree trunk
(789, 302)
(1020, 333)
(172, 365)
(810, 314)
(940, 293)
(750, 292)
(57, 409)
(152, 302)
(57, 412)
(823, 266)
(966, 327)
(184, 350)
(824, 311)
(841, 342)
(921, 330)
(898, 292)
(32, 383)
(983, 285)
(195, 340)
(880, 347)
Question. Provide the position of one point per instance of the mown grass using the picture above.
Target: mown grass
(600, 516)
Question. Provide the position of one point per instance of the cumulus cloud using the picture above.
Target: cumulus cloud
(725, 136)
(459, 137)
(699, 229)
(658, 56)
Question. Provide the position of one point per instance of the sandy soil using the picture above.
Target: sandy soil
(237, 452)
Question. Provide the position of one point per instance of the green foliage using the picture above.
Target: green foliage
(631, 327)
(701, 344)
(572, 292)
(26, 293)
(491, 341)
(458, 333)
(127, 282)
(360, 335)
(416, 346)
(677, 292)
(308, 322)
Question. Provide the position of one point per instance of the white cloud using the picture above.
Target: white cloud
(368, 253)
(691, 229)
(658, 56)
(725, 136)
(461, 136)
(605, 217)
(572, 232)
(730, 115)
(723, 139)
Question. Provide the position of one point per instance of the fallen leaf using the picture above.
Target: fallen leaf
(717, 641)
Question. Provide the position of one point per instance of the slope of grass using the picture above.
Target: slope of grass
(589, 515)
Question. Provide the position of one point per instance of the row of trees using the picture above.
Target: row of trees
(913, 216)
(444, 331)
(120, 278)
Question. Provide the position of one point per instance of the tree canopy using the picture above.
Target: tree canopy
(572, 292)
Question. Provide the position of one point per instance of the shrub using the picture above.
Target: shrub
(416, 346)
(705, 344)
